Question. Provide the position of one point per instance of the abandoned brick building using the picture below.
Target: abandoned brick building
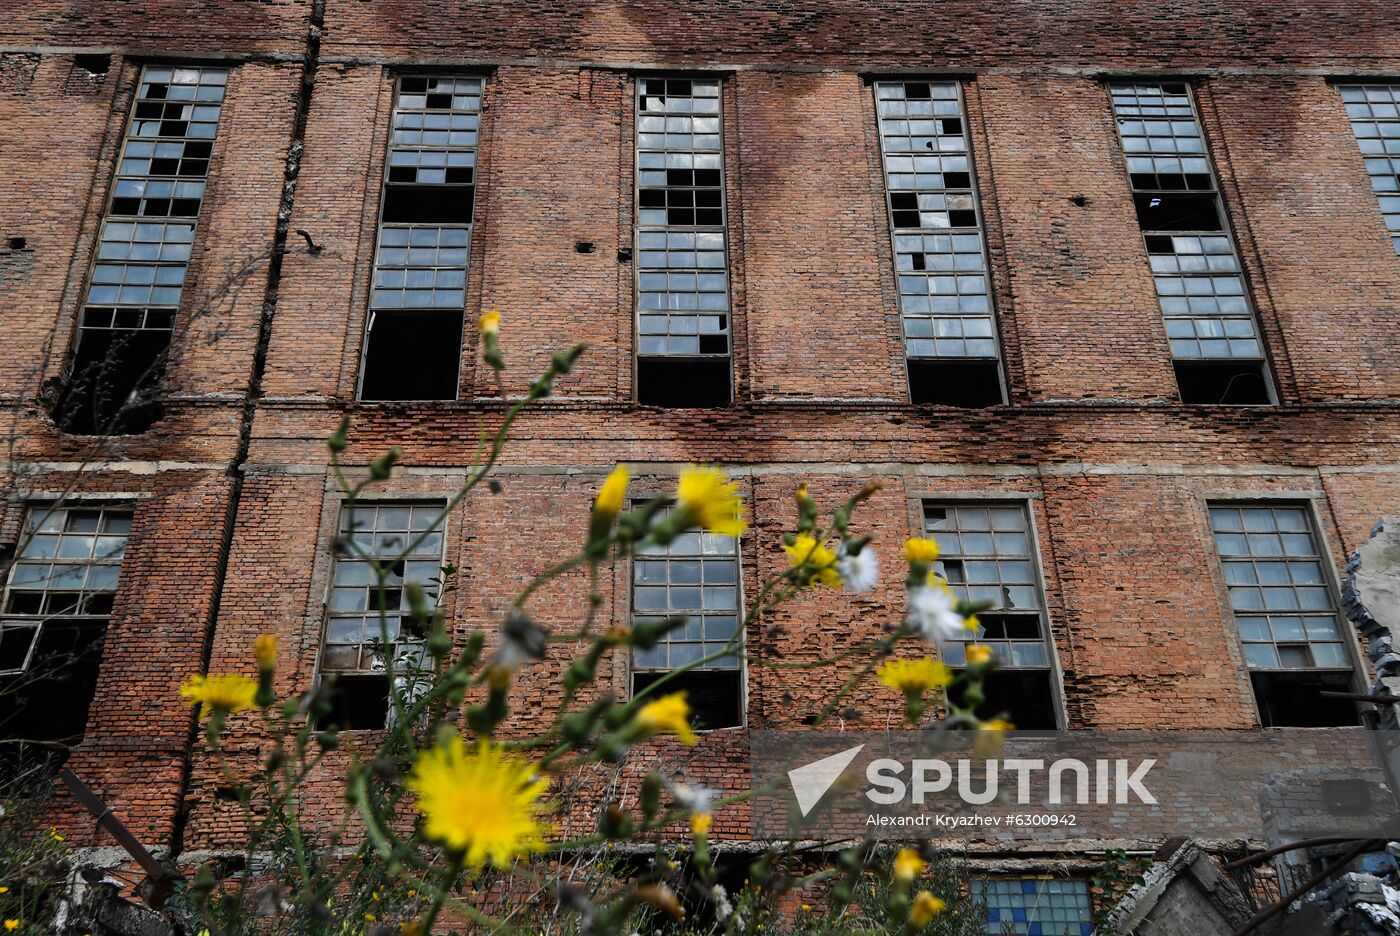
(1105, 297)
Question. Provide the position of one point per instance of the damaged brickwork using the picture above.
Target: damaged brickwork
(232, 508)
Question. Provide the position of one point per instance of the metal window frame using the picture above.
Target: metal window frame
(1222, 211)
(1026, 502)
(638, 228)
(28, 529)
(397, 79)
(1361, 83)
(959, 85)
(1309, 507)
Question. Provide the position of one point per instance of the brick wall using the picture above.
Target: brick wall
(1116, 473)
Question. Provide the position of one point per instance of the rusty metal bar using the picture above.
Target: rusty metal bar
(161, 877)
(1263, 916)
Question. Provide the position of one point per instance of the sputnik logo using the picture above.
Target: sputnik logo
(811, 781)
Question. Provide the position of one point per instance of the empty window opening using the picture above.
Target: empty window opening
(95, 64)
(413, 337)
(137, 281)
(940, 258)
(1290, 632)
(54, 620)
(963, 383)
(985, 554)
(1195, 266)
(683, 384)
(695, 576)
(1036, 905)
(681, 245)
(1228, 383)
(1374, 110)
(369, 635)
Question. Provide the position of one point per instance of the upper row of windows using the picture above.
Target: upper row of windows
(682, 294)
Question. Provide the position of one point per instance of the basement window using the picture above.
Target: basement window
(940, 259)
(1036, 905)
(1290, 632)
(369, 634)
(1210, 322)
(696, 576)
(413, 337)
(985, 554)
(683, 316)
(54, 620)
(1374, 110)
(127, 321)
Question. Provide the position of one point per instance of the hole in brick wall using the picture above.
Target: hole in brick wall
(1172, 212)
(427, 204)
(49, 702)
(15, 243)
(1229, 383)
(94, 64)
(683, 384)
(969, 384)
(1347, 797)
(583, 247)
(113, 386)
(412, 356)
(624, 255)
(357, 702)
(1295, 700)
(715, 696)
(1026, 698)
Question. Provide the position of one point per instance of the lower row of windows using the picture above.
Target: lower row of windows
(60, 593)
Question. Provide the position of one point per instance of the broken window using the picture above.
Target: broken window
(371, 647)
(54, 620)
(1210, 323)
(413, 340)
(1036, 905)
(1374, 110)
(134, 290)
(945, 298)
(695, 576)
(683, 326)
(985, 555)
(1290, 633)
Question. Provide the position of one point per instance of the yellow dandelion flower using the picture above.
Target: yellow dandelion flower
(611, 494)
(700, 823)
(54, 834)
(482, 803)
(668, 714)
(229, 692)
(710, 500)
(915, 677)
(806, 550)
(990, 736)
(806, 908)
(11, 925)
(490, 323)
(265, 649)
(977, 654)
(3, 889)
(908, 865)
(924, 909)
(921, 549)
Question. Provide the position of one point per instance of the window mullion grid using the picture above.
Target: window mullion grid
(1196, 271)
(711, 611)
(1374, 111)
(682, 254)
(937, 240)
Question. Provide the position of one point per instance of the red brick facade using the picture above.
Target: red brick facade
(234, 507)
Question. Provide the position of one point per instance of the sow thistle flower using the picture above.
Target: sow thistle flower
(705, 497)
(978, 654)
(990, 736)
(859, 570)
(933, 612)
(811, 561)
(481, 804)
(265, 650)
(606, 506)
(920, 549)
(489, 325)
(915, 677)
(924, 909)
(908, 864)
(667, 715)
(220, 694)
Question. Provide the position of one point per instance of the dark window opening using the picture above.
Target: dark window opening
(427, 204)
(94, 64)
(1295, 700)
(683, 384)
(114, 384)
(357, 702)
(49, 701)
(1172, 212)
(1347, 797)
(1025, 698)
(715, 696)
(412, 356)
(1228, 383)
(969, 384)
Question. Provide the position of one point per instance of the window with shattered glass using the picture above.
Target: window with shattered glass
(1374, 109)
